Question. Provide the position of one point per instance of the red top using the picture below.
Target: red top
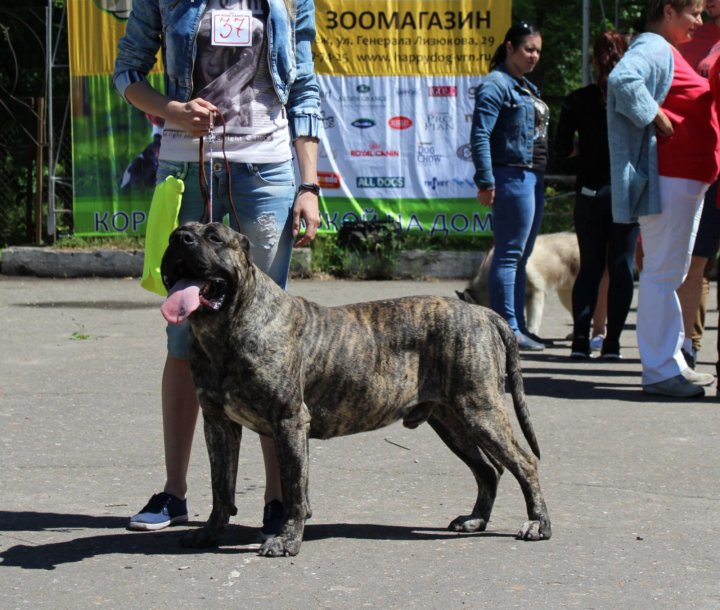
(697, 49)
(693, 151)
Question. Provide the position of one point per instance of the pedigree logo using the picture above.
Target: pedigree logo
(443, 91)
(400, 122)
(329, 180)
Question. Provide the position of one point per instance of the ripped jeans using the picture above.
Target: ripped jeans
(264, 194)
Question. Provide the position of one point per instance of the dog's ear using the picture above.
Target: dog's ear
(467, 296)
(243, 242)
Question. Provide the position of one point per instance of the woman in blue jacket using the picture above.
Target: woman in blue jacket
(509, 150)
(251, 63)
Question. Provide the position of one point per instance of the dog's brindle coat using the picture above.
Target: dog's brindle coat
(291, 369)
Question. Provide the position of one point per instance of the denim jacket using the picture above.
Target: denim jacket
(637, 87)
(503, 127)
(173, 24)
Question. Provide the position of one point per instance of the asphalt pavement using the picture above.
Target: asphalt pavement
(631, 482)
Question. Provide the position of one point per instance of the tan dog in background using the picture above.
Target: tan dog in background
(553, 265)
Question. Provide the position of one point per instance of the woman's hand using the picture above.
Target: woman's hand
(663, 125)
(305, 208)
(486, 197)
(195, 117)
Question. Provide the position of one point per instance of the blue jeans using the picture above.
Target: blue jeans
(263, 194)
(516, 215)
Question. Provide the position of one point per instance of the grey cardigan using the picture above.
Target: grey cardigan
(637, 87)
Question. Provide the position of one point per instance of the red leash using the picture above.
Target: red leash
(206, 191)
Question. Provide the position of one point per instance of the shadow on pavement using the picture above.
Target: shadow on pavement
(237, 538)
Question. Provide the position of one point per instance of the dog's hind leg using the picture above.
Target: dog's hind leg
(487, 472)
(491, 427)
(223, 442)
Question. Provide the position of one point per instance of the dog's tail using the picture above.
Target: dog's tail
(517, 387)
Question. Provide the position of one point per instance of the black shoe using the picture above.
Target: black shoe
(610, 350)
(534, 337)
(580, 349)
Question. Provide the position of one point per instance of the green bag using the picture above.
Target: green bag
(162, 220)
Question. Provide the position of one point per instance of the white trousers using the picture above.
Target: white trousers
(667, 240)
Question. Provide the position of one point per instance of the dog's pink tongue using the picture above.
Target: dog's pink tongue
(183, 299)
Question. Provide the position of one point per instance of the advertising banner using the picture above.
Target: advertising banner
(114, 145)
(397, 81)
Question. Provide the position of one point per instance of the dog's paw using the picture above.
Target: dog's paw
(534, 530)
(279, 546)
(201, 538)
(467, 523)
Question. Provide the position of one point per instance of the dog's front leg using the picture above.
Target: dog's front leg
(291, 443)
(222, 438)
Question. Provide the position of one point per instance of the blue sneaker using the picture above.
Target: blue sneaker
(272, 519)
(162, 509)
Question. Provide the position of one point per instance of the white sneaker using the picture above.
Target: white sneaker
(700, 379)
(596, 343)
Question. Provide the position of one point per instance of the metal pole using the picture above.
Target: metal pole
(39, 169)
(50, 138)
(585, 42)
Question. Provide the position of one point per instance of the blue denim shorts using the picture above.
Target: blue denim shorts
(263, 193)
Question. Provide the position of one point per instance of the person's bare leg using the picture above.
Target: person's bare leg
(690, 292)
(180, 409)
(600, 311)
(273, 490)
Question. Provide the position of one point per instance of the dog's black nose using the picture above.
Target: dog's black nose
(186, 237)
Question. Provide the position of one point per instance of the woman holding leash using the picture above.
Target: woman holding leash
(664, 153)
(509, 150)
(245, 66)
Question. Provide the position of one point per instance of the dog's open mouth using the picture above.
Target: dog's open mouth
(187, 296)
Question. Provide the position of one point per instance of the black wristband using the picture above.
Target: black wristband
(309, 186)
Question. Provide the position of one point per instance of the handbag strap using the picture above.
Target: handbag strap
(205, 184)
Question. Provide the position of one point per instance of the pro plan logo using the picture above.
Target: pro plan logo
(381, 182)
(363, 123)
(374, 150)
(363, 88)
(329, 180)
(400, 122)
(439, 121)
(443, 91)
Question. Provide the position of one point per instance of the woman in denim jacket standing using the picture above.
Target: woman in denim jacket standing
(257, 78)
(509, 150)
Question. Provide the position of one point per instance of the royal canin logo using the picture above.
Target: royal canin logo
(374, 149)
(329, 180)
(400, 122)
(443, 91)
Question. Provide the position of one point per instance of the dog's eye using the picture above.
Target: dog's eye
(216, 239)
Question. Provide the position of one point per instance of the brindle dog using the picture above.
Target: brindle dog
(291, 369)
